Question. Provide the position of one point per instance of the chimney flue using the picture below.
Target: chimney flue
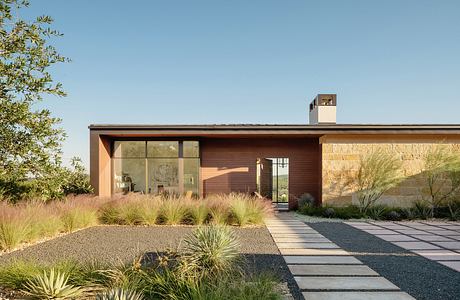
(323, 109)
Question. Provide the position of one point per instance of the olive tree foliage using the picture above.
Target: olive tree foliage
(30, 138)
(378, 171)
(442, 174)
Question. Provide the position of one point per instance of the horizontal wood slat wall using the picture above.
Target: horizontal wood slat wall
(229, 165)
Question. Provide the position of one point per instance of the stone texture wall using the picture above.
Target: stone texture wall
(341, 159)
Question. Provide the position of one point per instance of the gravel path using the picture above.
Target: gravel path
(418, 276)
(114, 244)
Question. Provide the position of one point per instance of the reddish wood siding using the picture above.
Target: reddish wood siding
(229, 165)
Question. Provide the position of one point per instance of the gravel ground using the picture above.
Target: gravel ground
(416, 275)
(114, 244)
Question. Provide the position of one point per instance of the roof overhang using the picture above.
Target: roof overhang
(294, 130)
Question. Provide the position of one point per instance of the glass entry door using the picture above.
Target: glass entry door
(273, 179)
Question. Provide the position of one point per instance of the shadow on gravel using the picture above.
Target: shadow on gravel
(416, 275)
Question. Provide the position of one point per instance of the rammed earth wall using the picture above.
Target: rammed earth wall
(341, 156)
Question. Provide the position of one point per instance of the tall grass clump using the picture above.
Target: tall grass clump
(210, 250)
(45, 220)
(78, 212)
(131, 210)
(173, 210)
(219, 209)
(246, 209)
(198, 211)
(14, 226)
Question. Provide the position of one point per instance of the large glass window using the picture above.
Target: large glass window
(156, 167)
(191, 149)
(128, 175)
(162, 149)
(129, 149)
(191, 175)
(164, 175)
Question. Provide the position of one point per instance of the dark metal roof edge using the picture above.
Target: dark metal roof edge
(327, 127)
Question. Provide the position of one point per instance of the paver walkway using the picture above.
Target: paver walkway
(324, 271)
(438, 241)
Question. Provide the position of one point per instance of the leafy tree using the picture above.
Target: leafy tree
(442, 175)
(30, 139)
(378, 172)
(77, 180)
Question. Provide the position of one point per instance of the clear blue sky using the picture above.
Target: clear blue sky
(252, 61)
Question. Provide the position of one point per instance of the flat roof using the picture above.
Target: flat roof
(272, 129)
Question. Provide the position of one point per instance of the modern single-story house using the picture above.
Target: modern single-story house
(280, 162)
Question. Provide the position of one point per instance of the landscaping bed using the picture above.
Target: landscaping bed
(123, 244)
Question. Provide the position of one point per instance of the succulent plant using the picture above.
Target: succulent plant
(52, 285)
(119, 294)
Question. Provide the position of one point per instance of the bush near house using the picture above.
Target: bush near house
(380, 171)
(30, 221)
(207, 267)
(420, 210)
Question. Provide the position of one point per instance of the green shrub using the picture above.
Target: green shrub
(377, 212)
(393, 215)
(442, 177)
(305, 199)
(378, 171)
(210, 250)
(422, 210)
(52, 285)
(329, 212)
(76, 180)
(454, 209)
(346, 212)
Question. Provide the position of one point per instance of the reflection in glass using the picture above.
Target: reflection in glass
(191, 175)
(162, 149)
(191, 149)
(163, 175)
(129, 149)
(129, 175)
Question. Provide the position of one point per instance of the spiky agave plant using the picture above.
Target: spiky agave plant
(119, 294)
(210, 250)
(52, 285)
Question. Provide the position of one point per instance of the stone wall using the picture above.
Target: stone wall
(341, 157)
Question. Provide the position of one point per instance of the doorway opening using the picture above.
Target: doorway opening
(273, 178)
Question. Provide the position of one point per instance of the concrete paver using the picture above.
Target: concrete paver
(336, 270)
(319, 264)
(357, 296)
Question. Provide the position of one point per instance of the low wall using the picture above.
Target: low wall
(341, 157)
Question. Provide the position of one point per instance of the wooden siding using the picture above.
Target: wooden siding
(229, 165)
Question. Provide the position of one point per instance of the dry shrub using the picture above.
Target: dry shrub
(219, 208)
(131, 209)
(78, 212)
(14, 226)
